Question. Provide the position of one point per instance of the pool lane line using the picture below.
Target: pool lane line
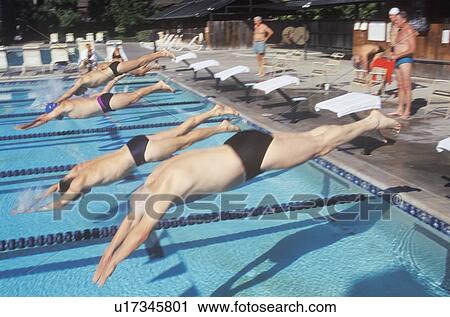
(36, 170)
(22, 246)
(98, 130)
(22, 89)
(151, 105)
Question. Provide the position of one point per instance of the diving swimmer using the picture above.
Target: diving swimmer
(107, 71)
(103, 102)
(139, 150)
(242, 157)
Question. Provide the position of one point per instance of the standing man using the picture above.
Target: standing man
(394, 28)
(404, 47)
(260, 35)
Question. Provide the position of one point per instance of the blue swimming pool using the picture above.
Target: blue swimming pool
(313, 252)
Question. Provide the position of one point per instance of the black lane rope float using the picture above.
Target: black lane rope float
(37, 170)
(97, 130)
(34, 242)
(152, 105)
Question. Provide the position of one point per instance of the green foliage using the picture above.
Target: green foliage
(58, 13)
(126, 14)
(142, 36)
(341, 12)
(97, 9)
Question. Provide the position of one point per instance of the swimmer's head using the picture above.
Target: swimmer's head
(50, 107)
(80, 91)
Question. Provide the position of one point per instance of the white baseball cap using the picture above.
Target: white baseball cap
(394, 11)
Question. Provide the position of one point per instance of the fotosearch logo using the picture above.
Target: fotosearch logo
(346, 207)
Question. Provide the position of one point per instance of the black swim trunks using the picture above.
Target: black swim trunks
(64, 185)
(137, 146)
(113, 67)
(251, 146)
(104, 102)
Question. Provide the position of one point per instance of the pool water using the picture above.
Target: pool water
(309, 253)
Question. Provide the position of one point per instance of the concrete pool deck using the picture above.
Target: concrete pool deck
(409, 166)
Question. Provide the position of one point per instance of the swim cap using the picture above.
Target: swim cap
(394, 11)
(50, 107)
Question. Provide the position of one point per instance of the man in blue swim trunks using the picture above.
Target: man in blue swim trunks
(404, 46)
(260, 35)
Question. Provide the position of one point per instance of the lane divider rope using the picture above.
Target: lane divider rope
(196, 219)
(97, 130)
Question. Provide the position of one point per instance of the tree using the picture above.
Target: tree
(128, 14)
(58, 13)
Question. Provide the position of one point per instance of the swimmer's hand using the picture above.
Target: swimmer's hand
(104, 261)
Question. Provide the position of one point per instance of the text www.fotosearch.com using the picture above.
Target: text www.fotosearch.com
(248, 307)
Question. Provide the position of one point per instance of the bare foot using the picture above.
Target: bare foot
(383, 122)
(221, 110)
(396, 113)
(163, 86)
(229, 127)
(406, 116)
(166, 53)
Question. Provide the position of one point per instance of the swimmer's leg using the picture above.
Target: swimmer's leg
(127, 66)
(291, 149)
(164, 148)
(194, 121)
(123, 100)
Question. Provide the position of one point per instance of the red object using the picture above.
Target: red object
(383, 62)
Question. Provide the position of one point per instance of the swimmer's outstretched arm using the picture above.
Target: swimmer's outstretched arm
(132, 233)
(37, 199)
(109, 85)
(70, 195)
(42, 119)
(69, 93)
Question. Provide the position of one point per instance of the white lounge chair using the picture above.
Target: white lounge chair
(147, 45)
(440, 89)
(111, 46)
(70, 38)
(231, 73)
(32, 58)
(3, 60)
(59, 53)
(166, 42)
(53, 38)
(184, 58)
(82, 51)
(443, 145)
(99, 37)
(350, 103)
(192, 45)
(277, 84)
(204, 65)
(90, 37)
(176, 40)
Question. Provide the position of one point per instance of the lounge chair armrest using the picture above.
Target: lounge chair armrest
(441, 81)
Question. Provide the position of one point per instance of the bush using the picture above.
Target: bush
(143, 36)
